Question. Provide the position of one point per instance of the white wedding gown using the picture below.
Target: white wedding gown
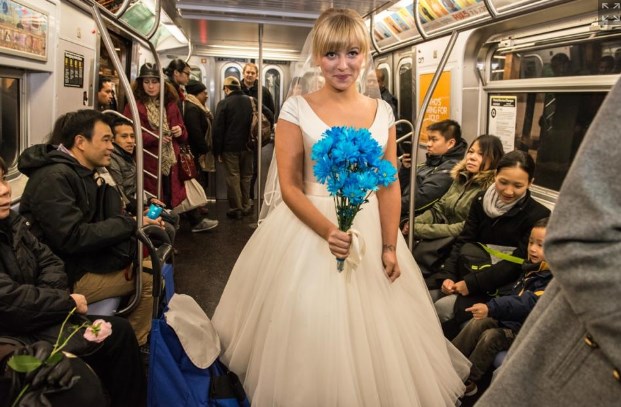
(299, 333)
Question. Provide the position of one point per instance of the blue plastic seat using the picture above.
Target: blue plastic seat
(105, 307)
(500, 357)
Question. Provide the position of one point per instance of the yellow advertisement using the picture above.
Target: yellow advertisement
(440, 104)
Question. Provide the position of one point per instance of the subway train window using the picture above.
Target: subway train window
(10, 133)
(594, 57)
(550, 126)
(232, 70)
(405, 89)
(196, 73)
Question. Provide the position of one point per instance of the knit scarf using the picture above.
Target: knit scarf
(494, 206)
(153, 115)
(208, 116)
(193, 99)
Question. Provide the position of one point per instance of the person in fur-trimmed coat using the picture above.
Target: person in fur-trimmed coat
(472, 175)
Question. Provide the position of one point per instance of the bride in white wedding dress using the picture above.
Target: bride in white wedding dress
(297, 332)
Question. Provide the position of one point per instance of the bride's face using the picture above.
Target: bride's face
(342, 68)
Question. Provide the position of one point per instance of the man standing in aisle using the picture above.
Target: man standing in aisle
(231, 131)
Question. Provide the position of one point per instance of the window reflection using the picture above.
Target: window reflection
(599, 57)
(551, 126)
(232, 71)
(272, 83)
(405, 91)
(9, 120)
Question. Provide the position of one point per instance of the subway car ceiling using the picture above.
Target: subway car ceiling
(503, 48)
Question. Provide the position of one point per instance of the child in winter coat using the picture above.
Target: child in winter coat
(495, 324)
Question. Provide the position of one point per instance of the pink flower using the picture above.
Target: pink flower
(98, 331)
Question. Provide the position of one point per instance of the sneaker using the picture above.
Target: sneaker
(471, 388)
(234, 214)
(205, 224)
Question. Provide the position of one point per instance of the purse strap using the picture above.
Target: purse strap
(501, 255)
(254, 105)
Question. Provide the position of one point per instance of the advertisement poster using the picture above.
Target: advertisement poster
(394, 26)
(381, 31)
(74, 70)
(440, 104)
(23, 30)
(502, 117)
(436, 14)
(407, 14)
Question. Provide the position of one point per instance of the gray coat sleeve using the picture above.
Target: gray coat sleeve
(583, 241)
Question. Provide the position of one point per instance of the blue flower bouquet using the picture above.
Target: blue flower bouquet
(349, 161)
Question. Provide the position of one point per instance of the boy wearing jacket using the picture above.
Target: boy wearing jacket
(495, 324)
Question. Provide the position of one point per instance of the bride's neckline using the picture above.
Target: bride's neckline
(327, 125)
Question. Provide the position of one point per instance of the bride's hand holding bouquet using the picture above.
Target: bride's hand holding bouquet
(349, 161)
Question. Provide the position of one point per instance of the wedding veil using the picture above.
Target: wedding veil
(307, 78)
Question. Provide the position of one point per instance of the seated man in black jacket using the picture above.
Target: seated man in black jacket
(62, 200)
(35, 299)
(445, 148)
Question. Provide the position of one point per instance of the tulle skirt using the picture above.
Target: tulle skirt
(299, 333)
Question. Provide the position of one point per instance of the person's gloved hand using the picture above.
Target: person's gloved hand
(48, 378)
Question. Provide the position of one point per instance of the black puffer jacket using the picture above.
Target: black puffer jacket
(197, 122)
(433, 179)
(33, 283)
(511, 229)
(60, 203)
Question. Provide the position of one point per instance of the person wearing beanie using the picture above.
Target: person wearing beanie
(198, 121)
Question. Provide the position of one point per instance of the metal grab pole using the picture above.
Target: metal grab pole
(156, 23)
(139, 181)
(95, 11)
(260, 109)
(417, 129)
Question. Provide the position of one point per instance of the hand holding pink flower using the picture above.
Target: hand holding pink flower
(98, 331)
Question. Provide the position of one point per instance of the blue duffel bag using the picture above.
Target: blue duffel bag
(175, 380)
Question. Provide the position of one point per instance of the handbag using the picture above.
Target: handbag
(431, 254)
(266, 128)
(186, 163)
(195, 197)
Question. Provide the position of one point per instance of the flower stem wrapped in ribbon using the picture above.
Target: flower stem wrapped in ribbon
(349, 161)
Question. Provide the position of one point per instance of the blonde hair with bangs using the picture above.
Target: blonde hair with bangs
(338, 29)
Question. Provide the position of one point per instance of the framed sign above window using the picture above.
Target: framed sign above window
(23, 30)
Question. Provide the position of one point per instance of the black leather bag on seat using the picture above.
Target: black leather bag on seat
(431, 254)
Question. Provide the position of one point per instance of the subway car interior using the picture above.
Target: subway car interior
(534, 73)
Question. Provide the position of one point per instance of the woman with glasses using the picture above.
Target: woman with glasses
(178, 72)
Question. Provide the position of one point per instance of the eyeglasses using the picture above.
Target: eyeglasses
(187, 72)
